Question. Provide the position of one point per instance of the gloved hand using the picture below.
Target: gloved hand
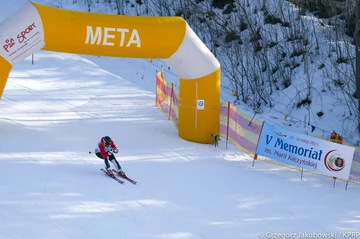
(115, 151)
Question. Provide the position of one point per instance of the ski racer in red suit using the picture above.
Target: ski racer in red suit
(105, 150)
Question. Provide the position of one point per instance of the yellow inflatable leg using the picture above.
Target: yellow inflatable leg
(5, 67)
(197, 122)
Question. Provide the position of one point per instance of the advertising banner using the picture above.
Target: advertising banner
(305, 152)
(21, 35)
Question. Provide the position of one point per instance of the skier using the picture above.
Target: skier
(105, 150)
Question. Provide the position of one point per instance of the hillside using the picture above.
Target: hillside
(277, 60)
(281, 61)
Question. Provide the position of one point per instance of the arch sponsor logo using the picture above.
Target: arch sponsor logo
(21, 37)
(110, 36)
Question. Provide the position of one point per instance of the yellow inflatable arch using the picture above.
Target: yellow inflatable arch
(34, 27)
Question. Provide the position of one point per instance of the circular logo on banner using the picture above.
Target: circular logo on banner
(333, 161)
(200, 104)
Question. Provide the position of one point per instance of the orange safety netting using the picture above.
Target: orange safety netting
(239, 128)
(166, 98)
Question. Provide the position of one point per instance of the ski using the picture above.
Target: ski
(114, 177)
(126, 177)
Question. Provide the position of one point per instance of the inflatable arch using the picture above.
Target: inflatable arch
(34, 27)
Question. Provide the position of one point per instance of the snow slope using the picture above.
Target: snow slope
(54, 112)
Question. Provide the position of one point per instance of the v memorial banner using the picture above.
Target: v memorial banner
(305, 152)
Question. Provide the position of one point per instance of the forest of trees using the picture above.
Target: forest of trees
(263, 45)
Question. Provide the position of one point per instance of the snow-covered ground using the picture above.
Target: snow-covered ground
(55, 111)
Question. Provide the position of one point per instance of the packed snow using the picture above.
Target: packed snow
(55, 111)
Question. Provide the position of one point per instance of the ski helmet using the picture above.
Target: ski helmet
(107, 140)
